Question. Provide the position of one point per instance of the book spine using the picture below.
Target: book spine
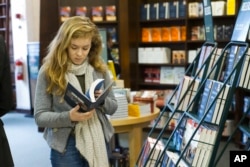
(222, 105)
(204, 98)
(212, 100)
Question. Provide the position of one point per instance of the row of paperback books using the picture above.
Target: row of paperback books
(163, 75)
(177, 9)
(163, 10)
(197, 153)
(163, 34)
(161, 55)
(244, 80)
(97, 13)
(223, 32)
(211, 103)
(219, 8)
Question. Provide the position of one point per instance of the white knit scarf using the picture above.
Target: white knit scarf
(89, 135)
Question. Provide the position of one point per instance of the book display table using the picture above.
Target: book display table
(133, 126)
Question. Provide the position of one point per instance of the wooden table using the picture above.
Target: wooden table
(133, 126)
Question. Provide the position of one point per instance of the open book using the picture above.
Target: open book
(86, 101)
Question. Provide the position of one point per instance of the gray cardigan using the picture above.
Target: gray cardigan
(50, 113)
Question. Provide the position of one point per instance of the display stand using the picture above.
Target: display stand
(176, 153)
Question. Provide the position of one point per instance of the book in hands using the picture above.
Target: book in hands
(86, 101)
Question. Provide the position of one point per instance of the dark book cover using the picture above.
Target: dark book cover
(212, 100)
(204, 98)
(163, 10)
(144, 12)
(173, 9)
(153, 11)
(182, 8)
(73, 97)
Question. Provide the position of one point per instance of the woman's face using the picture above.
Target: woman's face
(78, 50)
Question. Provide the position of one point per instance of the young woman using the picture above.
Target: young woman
(76, 139)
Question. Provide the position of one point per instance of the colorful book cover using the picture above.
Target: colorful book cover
(65, 12)
(156, 34)
(81, 11)
(110, 12)
(97, 13)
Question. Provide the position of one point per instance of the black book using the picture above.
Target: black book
(86, 101)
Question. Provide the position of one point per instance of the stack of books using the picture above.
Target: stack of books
(122, 110)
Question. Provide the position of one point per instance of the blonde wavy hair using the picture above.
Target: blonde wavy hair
(56, 61)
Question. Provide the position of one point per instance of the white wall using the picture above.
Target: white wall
(25, 29)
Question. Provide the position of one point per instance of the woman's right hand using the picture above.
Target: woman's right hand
(75, 115)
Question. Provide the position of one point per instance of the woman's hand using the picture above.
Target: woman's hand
(75, 115)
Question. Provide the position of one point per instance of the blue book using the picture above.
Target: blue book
(163, 10)
(86, 101)
(182, 8)
(212, 100)
(153, 11)
(204, 98)
(173, 9)
(144, 12)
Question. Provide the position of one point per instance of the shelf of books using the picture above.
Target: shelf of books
(200, 104)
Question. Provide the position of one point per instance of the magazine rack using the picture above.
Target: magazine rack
(212, 74)
(230, 80)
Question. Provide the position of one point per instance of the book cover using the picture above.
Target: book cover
(86, 101)
(231, 7)
(183, 33)
(166, 75)
(65, 12)
(146, 34)
(221, 105)
(213, 100)
(81, 11)
(165, 34)
(156, 34)
(182, 92)
(174, 9)
(199, 150)
(212, 134)
(229, 64)
(175, 33)
(148, 75)
(193, 93)
(204, 98)
(156, 75)
(110, 13)
(218, 8)
(163, 10)
(204, 59)
(153, 11)
(179, 73)
(97, 13)
(193, 9)
(241, 27)
(243, 76)
(144, 12)
(182, 8)
(192, 147)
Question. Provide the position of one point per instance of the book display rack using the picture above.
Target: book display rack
(200, 124)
